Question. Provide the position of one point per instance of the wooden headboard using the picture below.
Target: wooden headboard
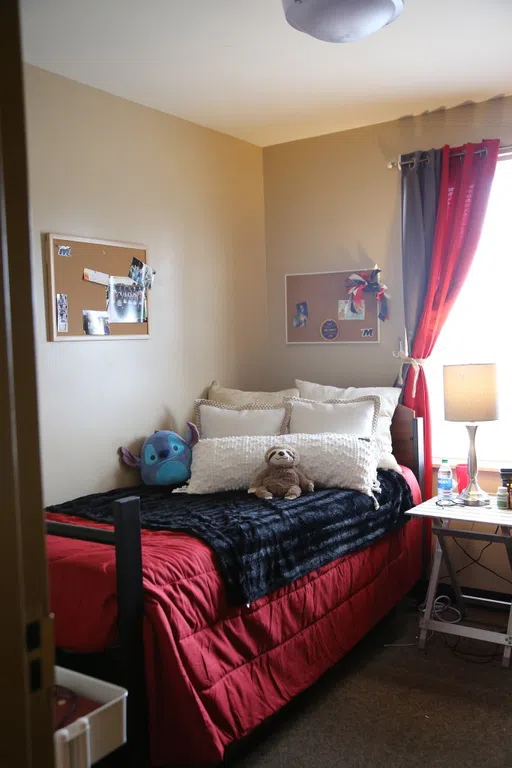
(407, 439)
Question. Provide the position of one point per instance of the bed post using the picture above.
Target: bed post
(130, 606)
(419, 454)
(407, 440)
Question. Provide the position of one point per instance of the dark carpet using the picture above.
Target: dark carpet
(397, 707)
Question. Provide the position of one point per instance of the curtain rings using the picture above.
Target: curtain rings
(413, 163)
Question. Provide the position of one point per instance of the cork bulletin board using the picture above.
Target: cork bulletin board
(318, 311)
(75, 264)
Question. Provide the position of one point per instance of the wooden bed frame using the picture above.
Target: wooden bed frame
(407, 440)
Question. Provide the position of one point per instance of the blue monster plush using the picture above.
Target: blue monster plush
(165, 458)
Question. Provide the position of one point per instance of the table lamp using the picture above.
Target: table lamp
(470, 396)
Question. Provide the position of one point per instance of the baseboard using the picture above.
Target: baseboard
(496, 599)
(419, 592)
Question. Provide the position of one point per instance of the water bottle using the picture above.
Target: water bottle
(444, 481)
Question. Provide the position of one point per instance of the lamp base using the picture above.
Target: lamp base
(473, 496)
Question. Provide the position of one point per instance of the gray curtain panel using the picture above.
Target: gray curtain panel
(420, 195)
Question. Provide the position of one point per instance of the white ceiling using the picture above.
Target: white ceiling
(237, 67)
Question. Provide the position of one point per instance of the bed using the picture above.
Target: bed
(211, 671)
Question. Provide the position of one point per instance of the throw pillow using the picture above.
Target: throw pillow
(219, 420)
(330, 460)
(239, 397)
(358, 417)
(389, 397)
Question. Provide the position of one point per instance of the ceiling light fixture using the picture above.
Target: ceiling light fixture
(341, 21)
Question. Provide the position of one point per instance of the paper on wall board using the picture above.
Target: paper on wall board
(125, 300)
(142, 273)
(329, 330)
(95, 322)
(345, 311)
(93, 276)
(62, 313)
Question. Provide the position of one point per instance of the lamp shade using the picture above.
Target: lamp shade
(470, 392)
(341, 21)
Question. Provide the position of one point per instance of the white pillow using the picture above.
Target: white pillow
(331, 461)
(239, 397)
(389, 397)
(219, 420)
(347, 417)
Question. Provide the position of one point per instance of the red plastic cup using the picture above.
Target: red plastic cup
(461, 470)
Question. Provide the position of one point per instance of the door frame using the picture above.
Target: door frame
(26, 642)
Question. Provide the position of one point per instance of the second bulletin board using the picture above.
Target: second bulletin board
(318, 311)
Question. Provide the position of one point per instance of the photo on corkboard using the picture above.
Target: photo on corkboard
(62, 312)
(125, 301)
(96, 323)
(345, 312)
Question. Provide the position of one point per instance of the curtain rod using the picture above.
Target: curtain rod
(503, 152)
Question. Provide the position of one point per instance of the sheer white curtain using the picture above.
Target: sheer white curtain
(479, 330)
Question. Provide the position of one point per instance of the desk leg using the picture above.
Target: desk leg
(453, 577)
(508, 649)
(432, 589)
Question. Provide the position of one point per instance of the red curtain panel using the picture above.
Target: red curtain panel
(463, 196)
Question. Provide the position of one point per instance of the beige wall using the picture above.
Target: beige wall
(331, 203)
(106, 168)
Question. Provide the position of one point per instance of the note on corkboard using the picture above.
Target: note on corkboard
(318, 311)
(79, 277)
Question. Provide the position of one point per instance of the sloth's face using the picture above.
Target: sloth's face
(281, 457)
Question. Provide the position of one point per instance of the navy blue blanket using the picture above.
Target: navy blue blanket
(262, 545)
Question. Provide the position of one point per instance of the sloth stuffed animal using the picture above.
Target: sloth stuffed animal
(281, 476)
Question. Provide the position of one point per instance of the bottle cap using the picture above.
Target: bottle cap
(444, 461)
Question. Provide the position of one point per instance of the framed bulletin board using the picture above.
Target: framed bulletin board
(318, 311)
(94, 294)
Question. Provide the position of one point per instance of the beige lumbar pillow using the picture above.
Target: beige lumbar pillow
(214, 419)
(239, 397)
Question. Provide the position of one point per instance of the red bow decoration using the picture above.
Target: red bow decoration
(367, 282)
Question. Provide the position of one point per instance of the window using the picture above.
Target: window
(479, 330)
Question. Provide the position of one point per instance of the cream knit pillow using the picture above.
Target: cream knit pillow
(330, 460)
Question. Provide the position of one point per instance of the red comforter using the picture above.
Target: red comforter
(215, 672)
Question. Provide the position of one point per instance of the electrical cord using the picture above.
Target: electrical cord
(447, 503)
(442, 604)
(475, 561)
(471, 656)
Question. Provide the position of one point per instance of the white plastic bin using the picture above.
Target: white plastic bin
(95, 735)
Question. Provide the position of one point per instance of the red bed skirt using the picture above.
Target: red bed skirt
(215, 672)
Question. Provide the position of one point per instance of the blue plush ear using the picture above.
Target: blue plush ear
(192, 436)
